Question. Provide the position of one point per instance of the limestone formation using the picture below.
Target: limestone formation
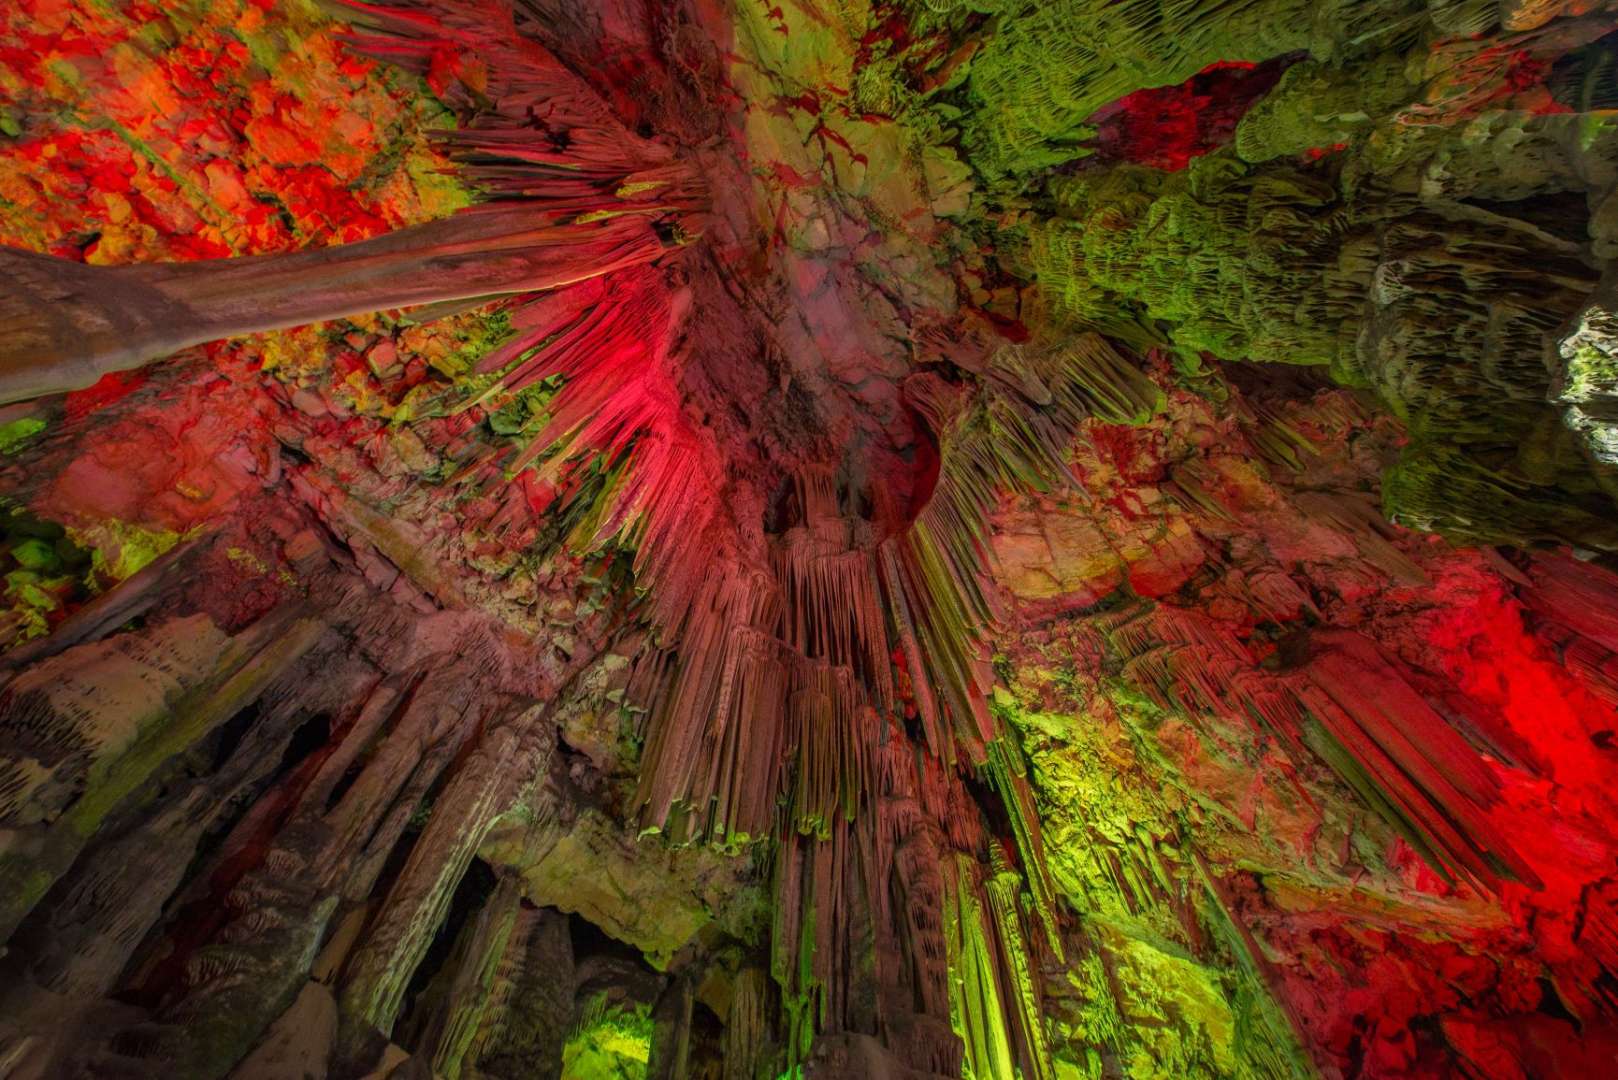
(714, 540)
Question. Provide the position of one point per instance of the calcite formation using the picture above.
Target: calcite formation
(999, 539)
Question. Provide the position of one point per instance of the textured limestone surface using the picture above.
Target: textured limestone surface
(724, 539)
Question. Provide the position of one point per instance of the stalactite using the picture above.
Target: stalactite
(374, 812)
(114, 318)
(250, 923)
(470, 981)
(1444, 491)
(934, 575)
(1574, 603)
(801, 916)
(531, 1003)
(834, 611)
(918, 903)
(1009, 772)
(1015, 969)
(747, 1028)
(716, 691)
(833, 733)
(1278, 1031)
(933, 582)
(976, 991)
(74, 761)
(505, 764)
(1358, 517)
(716, 755)
(1422, 765)
(1400, 755)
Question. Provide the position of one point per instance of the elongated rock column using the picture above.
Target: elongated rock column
(63, 324)
(81, 940)
(85, 729)
(506, 766)
(447, 1016)
(524, 1029)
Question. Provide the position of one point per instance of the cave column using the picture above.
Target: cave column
(120, 887)
(448, 1015)
(524, 1028)
(239, 975)
(64, 324)
(92, 724)
(372, 814)
(488, 783)
(670, 1057)
(748, 1044)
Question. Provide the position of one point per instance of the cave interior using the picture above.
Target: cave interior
(808, 539)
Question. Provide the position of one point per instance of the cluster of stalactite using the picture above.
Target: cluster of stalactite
(1433, 295)
(773, 706)
(1423, 717)
(765, 704)
(253, 828)
(198, 824)
(1391, 744)
(571, 196)
(202, 817)
(1037, 86)
(1429, 262)
(768, 701)
(1052, 67)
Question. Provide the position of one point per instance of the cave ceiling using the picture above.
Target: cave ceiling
(1015, 539)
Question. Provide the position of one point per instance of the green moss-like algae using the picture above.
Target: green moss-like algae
(19, 433)
(1053, 63)
(121, 548)
(1149, 992)
(611, 1042)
